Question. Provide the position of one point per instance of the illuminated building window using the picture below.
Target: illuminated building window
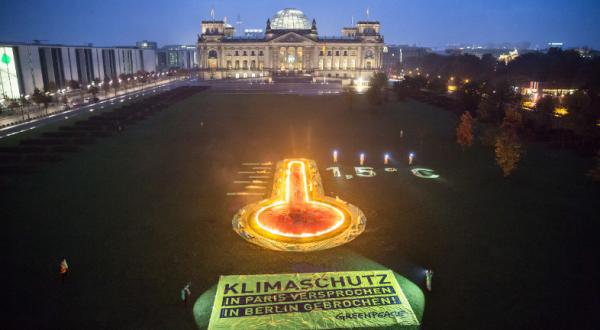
(9, 85)
(260, 53)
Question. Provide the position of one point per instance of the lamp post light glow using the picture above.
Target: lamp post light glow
(362, 159)
(298, 216)
(411, 158)
(335, 156)
(386, 159)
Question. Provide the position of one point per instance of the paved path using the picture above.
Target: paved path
(36, 112)
(107, 103)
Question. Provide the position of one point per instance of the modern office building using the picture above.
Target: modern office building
(177, 56)
(27, 66)
(290, 45)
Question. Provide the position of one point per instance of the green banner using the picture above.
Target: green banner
(311, 301)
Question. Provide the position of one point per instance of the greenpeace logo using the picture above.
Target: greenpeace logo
(370, 315)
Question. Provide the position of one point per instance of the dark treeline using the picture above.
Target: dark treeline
(566, 68)
(488, 90)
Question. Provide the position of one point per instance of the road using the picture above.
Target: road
(105, 104)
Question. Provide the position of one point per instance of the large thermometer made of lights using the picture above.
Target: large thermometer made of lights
(298, 216)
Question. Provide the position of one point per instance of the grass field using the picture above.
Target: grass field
(140, 214)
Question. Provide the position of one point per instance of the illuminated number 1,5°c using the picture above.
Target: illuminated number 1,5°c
(361, 171)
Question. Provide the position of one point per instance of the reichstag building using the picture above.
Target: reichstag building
(290, 46)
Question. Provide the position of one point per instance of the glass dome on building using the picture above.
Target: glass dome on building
(290, 19)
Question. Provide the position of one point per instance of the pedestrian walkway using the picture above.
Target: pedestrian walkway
(35, 113)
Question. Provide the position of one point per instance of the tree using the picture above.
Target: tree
(349, 95)
(496, 100)
(52, 87)
(595, 172)
(437, 85)
(40, 98)
(545, 111)
(377, 87)
(508, 147)
(116, 85)
(11, 104)
(464, 131)
(64, 100)
(73, 84)
(581, 117)
(93, 90)
(24, 103)
(469, 95)
(106, 86)
(401, 91)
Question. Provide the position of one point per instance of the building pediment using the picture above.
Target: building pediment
(292, 37)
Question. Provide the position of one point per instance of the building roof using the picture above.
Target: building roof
(340, 39)
(40, 44)
(244, 39)
(290, 19)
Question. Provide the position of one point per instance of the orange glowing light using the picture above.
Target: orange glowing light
(298, 216)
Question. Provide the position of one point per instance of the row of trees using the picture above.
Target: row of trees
(507, 143)
(564, 67)
(493, 101)
(52, 93)
(489, 99)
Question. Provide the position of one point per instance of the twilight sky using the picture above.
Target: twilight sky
(421, 22)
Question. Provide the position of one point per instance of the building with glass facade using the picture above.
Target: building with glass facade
(27, 66)
(290, 45)
(176, 56)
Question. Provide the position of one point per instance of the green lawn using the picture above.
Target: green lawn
(138, 215)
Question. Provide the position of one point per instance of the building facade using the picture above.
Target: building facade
(25, 67)
(177, 56)
(290, 45)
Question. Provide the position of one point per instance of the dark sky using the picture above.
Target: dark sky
(422, 22)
